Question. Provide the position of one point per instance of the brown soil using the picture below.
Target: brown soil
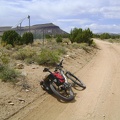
(99, 101)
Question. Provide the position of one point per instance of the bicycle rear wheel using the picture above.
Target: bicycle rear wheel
(75, 80)
(63, 94)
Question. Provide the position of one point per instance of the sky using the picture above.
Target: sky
(98, 15)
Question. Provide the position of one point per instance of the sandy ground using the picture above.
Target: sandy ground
(99, 101)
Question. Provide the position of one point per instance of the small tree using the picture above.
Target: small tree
(11, 37)
(105, 36)
(27, 38)
(59, 39)
(81, 36)
(73, 34)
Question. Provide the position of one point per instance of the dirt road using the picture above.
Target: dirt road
(101, 99)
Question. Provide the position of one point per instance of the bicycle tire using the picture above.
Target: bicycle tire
(58, 94)
(75, 80)
(46, 84)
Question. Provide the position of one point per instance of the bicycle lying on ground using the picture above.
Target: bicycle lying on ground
(57, 82)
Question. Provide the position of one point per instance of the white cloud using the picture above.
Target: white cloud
(111, 12)
(104, 28)
(78, 21)
(66, 13)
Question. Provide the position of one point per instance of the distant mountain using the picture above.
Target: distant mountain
(38, 30)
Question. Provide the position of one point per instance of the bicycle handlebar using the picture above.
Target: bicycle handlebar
(58, 66)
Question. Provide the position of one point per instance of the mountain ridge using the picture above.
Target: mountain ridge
(47, 28)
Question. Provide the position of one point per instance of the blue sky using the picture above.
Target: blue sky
(98, 15)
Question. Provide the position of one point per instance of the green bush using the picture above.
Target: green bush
(47, 57)
(67, 41)
(11, 37)
(27, 38)
(8, 74)
(59, 39)
(105, 36)
(81, 36)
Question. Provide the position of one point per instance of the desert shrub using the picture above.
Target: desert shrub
(47, 57)
(1, 67)
(8, 74)
(24, 53)
(83, 45)
(30, 60)
(67, 41)
(27, 38)
(81, 36)
(110, 40)
(75, 45)
(11, 37)
(61, 50)
(8, 46)
(4, 57)
(94, 44)
(113, 40)
(105, 36)
(59, 39)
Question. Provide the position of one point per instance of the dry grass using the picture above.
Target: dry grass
(47, 53)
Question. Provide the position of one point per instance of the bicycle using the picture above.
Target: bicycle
(57, 82)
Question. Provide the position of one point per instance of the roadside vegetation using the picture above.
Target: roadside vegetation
(81, 36)
(113, 38)
(8, 74)
(14, 48)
